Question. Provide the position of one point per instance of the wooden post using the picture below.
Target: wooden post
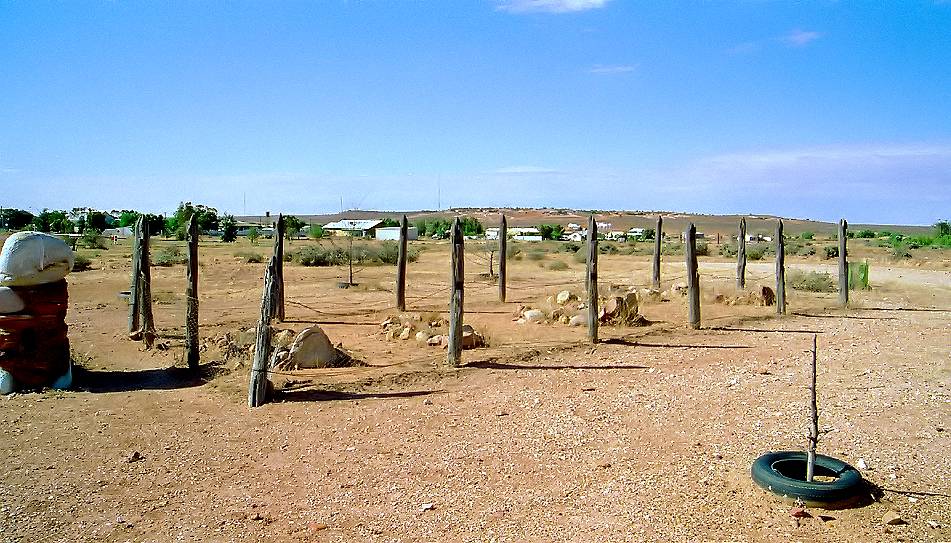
(401, 266)
(257, 389)
(145, 288)
(693, 277)
(658, 234)
(843, 263)
(278, 307)
(780, 270)
(134, 307)
(503, 257)
(456, 301)
(592, 280)
(741, 256)
(191, 297)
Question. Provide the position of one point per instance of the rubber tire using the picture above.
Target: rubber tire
(848, 486)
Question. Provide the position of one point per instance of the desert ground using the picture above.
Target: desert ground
(647, 436)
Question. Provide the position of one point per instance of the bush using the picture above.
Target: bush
(169, 256)
(831, 251)
(92, 239)
(249, 257)
(865, 234)
(608, 249)
(558, 265)
(901, 250)
(703, 249)
(806, 235)
(363, 254)
(253, 235)
(580, 256)
(756, 251)
(729, 249)
(858, 275)
(512, 250)
(806, 250)
(316, 231)
(571, 247)
(316, 255)
(81, 263)
(535, 255)
(811, 281)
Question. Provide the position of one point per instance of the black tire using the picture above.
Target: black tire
(783, 474)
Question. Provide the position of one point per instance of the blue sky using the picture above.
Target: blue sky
(809, 109)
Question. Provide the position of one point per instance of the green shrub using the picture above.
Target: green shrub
(253, 235)
(806, 235)
(363, 254)
(316, 255)
(858, 275)
(831, 251)
(316, 231)
(608, 249)
(866, 234)
(249, 257)
(580, 256)
(806, 250)
(675, 248)
(901, 251)
(571, 247)
(558, 265)
(512, 250)
(703, 249)
(169, 256)
(92, 239)
(81, 263)
(756, 251)
(729, 249)
(535, 255)
(810, 281)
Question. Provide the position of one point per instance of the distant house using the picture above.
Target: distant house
(683, 236)
(529, 233)
(361, 228)
(122, 233)
(393, 233)
(758, 237)
(636, 232)
(616, 235)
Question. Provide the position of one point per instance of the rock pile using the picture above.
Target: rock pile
(619, 308)
(34, 348)
(424, 331)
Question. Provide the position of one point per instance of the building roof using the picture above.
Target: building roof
(353, 224)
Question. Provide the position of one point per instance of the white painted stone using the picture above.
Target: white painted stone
(34, 258)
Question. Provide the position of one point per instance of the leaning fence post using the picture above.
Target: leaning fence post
(401, 266)
(658, 234)
(145, 288)
(780, 270)
(693, 277)
(843, 263)
(278, 307)
(592, 280)
(191, 297)
(134, 307)
(503, 241)
(741, 256)
(257, 389)
(813, 419)
(456, 301)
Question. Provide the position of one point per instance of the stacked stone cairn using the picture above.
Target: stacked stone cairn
(34, 348)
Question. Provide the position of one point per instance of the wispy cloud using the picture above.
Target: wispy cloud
(612, 69)
(800, 38)
(550, 6)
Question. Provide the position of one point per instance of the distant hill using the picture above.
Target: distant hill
(674, 221)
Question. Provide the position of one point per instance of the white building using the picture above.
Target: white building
(393, 233)
(354, 227)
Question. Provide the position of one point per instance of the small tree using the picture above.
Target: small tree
(316, 231)
(253, 235)
(389, 223)
(229, 229)
(14, 219)
(292, 227)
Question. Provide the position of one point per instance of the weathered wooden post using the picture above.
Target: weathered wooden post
(741, 256)
(145, 288)
(592, 280)
(503, 257)
(658, 235)
(693, 277)
(258, 387)
(191, 297)
(813, 419)
(455, 303)
(278, 307)
(134, 307)
(843, 263)
(401, 266)
(780, 270)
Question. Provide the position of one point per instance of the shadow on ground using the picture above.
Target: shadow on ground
(151, 379)
(323, 395)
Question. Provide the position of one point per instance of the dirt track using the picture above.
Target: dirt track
(646, 438)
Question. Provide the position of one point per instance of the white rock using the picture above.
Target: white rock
(861, 464)
(312, 349)
(422, 336)
(578, 320)
(34, 258)
(10, 301)
(404, 335)
(564, 297)
(534, 315)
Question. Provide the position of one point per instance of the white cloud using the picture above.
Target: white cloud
(611, 69)
(800, 38)
(550, 6)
